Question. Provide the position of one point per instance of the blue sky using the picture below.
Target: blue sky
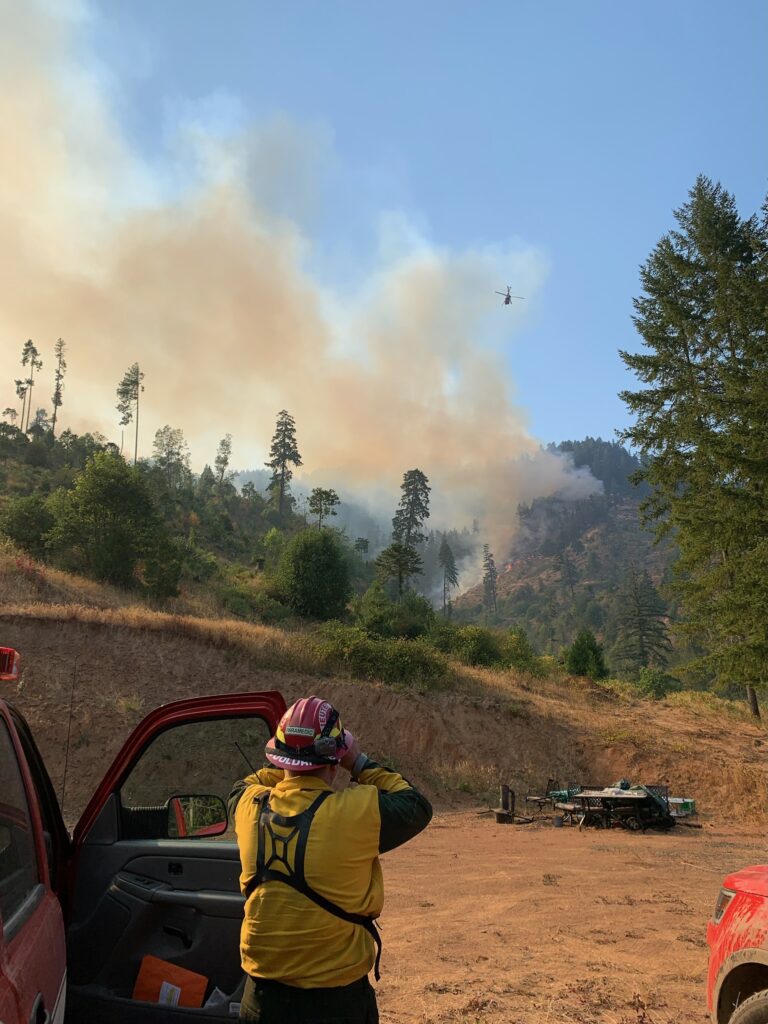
(575, 127)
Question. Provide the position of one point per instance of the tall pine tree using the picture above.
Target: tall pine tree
(128, 391)
(58, 381)
(31, 357)
(702, 422)
(643, 637)
(413, 510)
(221, 462)
(21, 392)
(490, 576)
(283, 454)
(450, 573)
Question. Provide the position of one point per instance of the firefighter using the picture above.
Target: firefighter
(310, 870)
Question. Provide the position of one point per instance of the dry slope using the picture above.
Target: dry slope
(496, 726)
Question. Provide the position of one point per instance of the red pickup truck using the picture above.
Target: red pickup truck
(148, 869)
(737, 983)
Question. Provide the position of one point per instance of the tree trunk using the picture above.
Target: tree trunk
(31, 385)
(754, 707)
(136, 443)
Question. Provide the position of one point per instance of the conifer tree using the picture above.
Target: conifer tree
(643, 637)
(322, 503)
(398, 562)
(221, 462)
(21, 392)
(413, 510)
(58, 378)
(490, 575)
(128, 392)
(567, 572)
(450, 573)
(361, 546)
(30, 356)
(701, 423)
(283, 454)
(585, 656)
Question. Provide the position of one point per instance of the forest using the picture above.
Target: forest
(658, 579)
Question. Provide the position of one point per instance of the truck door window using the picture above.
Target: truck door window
(201, 758)
(19, 872)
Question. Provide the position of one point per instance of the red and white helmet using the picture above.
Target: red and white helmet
(308, 736)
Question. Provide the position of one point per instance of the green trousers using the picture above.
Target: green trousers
(270, 1002)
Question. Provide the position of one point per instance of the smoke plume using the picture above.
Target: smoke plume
(198, 266)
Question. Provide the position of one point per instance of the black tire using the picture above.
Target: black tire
(633, 824)
(752, 1011)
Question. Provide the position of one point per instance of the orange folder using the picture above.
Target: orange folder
(165, 983)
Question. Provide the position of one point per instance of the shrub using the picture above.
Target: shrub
(313, 574)
(242, 599)
(411, 617)
(585, 656)
(392, 660)
(199, 565)
(161, 570)
(655, 683)
(519, 653)
(475, 645)
(268, 609)
(373, 610)
(26, 521)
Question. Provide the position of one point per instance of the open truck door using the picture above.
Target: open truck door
(32, 841)
(152, 869)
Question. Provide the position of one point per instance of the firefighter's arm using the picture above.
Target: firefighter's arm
(403, 809)
(265, 778)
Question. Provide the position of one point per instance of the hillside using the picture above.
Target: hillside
(130, 659)
(570, 559)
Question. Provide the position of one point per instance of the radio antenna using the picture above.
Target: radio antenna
(245, 758)
(69, 733)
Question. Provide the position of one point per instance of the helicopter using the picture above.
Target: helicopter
(507, 297)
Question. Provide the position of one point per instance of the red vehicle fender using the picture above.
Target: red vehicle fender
(737, 939)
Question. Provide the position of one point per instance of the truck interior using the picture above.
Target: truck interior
(140, 888)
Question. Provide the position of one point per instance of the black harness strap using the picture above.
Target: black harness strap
(299, 825)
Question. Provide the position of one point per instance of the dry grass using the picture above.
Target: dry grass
(468, 777)
(613, 737)
(702, 703)
(130, 705)
(272, 647)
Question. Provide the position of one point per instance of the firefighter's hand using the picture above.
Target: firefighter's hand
(352, 754)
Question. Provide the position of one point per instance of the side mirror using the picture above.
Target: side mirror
(10, 663)
(194, 816)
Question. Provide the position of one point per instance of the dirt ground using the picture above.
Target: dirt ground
(532, 925)
(483, 923)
